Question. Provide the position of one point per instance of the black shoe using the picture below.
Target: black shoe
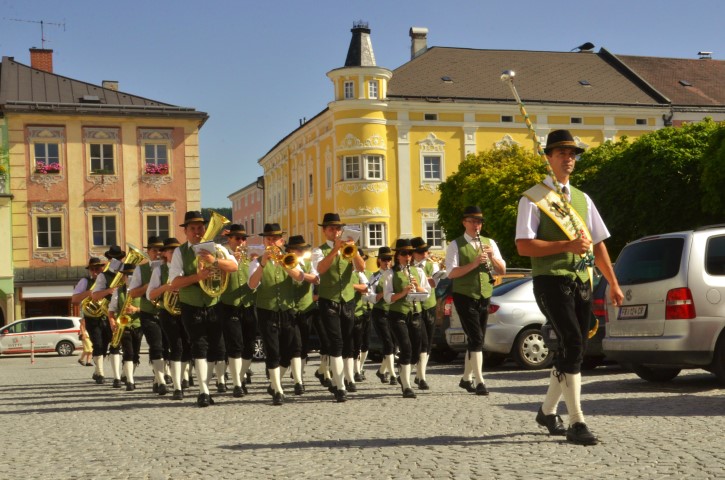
(320, 377)
(423, 385)
(481, 389)
(340, 396)
(382, 376)
(553, 423)
(467, 385)
(362, 376)
(332, 389)
(416, 380)
(191, 381)
(270, 390)
(400, 381)
(130, 387)
(351, 387)
(358, 377)
(238, 392)
(168, 380)
(116, 383)
(244, 388)
(408, 393)
(184, 384)
(393, 380)
(178, 395)
(95, 376)
(221, 387)
(328, 383)
(124, 379)
(100, 379)
(299, 389)
(155, 388)
(203, 400)
(278, 399)
(249, 374)
(579, 434)
(162, 389)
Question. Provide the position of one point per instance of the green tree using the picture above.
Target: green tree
(713, 174)
(495, 181)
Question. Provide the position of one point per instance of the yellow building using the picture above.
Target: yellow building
(89, 167)
(378, 152)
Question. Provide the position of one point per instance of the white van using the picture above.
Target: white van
(673, 314)
(47, 334)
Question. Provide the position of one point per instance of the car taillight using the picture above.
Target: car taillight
(679, 305)
(492, 308)
(598, 307)
(448, 307)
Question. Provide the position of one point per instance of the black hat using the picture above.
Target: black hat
(271, 229)
(331, 219)
(472, 211)
(403, 244)
(115, 252)
(236, 230)
(419, 244)
(385, 253)
(128, 268)
(192, 216)
(561, 138)
(170, 243)
(296, 241)
(154, 242)
(94, 262)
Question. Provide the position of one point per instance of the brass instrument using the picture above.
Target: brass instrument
(171, 302)
(122, 322)
(349, 250)
(87, 300)
(100, 308)
(441, 261)
(287, 260)
(243, 252)
(215, 284)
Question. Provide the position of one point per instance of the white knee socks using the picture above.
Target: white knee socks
(275, 379)
(336, 365)
(477, 366)
(176, 369)
(296, 366)
(116, 366)
(553, 394)
(467, 367)
(128, 370)
(571, 386)
(422, 365)
(235, 368)
(405, 375)
(202, 370)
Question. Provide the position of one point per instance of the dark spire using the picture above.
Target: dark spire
(360, 53)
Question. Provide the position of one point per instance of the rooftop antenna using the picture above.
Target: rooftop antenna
(42, 27)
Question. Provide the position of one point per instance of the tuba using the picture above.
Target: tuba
(100, 308)
(86, 301)
(215, 284)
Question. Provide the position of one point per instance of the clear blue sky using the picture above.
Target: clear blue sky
(258, 67)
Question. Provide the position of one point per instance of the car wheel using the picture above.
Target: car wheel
(258, 349)
(493, 359)
(443, 355)
(529, 351)
(65, 348)
(655, 374)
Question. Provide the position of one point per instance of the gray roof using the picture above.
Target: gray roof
(541, 77)
(25, 89)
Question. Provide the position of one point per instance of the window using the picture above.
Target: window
(374, 167)
(349, 90)
(20, 327)
(351, 168)
(49, 233)
(373, 89)
(641, 121)
(158, 225)
(104, 230)
(311, 184)
(375, 234)
(328, 177)
(252, 229)
(577, 120)
(43, 325)
(715, 256)
(430, 116)
(432, 168)
(47, 157)
(156, 159)
(102, 158)
(507, 118)
(433, 234)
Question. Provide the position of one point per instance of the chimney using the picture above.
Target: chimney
(110, 85)
(41, 59)
(418, 41)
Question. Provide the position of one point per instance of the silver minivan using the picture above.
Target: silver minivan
(673, 314)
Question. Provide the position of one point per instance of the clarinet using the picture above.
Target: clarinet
(412, 282)
(488, 266)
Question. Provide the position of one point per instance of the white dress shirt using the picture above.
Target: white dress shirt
(417, 273)
(452, 251)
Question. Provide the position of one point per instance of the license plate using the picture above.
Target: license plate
(458, 338)
(632, 312)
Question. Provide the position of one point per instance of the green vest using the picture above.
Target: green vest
(146, 305)
(303, 295)
(474, 284)
(361, 306)
(381, 304)
(193, 294)
(135, 319)
(400, 281)
(275, 291)
(561, 263)
(336, 283)
(238, 291)
(431, 301)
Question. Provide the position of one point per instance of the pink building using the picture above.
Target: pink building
(248, 209)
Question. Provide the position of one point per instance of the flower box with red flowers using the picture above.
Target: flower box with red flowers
(43, 168)
(152, 169)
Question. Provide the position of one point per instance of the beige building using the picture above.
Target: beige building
(89, 166)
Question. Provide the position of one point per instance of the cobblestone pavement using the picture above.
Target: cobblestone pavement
(57, 423)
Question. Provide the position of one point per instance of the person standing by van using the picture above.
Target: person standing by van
(559, 243)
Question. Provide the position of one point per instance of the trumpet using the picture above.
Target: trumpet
(349, 251)
(86, 301)
(287, 260)
(242, 252)
(441, 261)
